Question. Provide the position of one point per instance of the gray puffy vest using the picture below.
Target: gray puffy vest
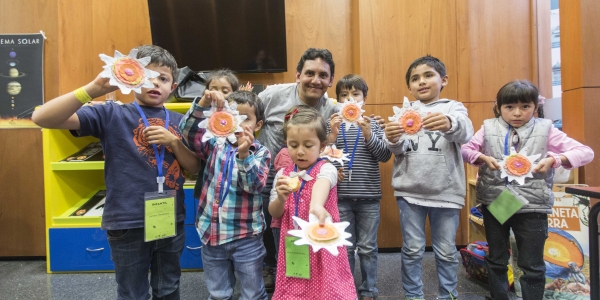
(537, 190)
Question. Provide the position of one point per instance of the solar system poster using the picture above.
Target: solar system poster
(21, 78)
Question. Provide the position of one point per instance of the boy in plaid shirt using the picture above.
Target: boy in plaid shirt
(230, 216)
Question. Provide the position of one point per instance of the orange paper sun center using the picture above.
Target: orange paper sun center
(351, 112)
(222, 123)
(517, 165)
(128, 71)
(325, 233)
(411, 122)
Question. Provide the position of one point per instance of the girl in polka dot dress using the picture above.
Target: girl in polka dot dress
(330, 278)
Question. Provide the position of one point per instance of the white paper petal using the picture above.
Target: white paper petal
(144, 61)
(133, 53)
(331, 246)
(119, 55)
(107, 59)
(231, 138)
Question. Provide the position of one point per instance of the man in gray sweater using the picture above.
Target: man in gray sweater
(314, 75)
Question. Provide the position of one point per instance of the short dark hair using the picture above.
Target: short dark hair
(158, 56)
(250, 98)
(429, 60)
(224, 73)
(305, 115)
(351, 81)
(314, 53)
(514, 92)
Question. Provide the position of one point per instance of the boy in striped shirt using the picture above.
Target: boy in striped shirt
(359, 192)
(230, 218)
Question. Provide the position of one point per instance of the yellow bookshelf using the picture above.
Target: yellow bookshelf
(76, 243)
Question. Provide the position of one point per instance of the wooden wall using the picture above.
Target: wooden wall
(580, 47)
(377, 39)
(22, 223)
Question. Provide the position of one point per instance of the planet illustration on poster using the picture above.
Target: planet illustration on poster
(12, 54)
(12, 62)
(13, 73)
(562, 253)
(13, 88)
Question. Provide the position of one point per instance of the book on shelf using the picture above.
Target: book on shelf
(93, 207)
(91, 152)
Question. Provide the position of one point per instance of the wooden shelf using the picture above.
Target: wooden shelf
(84, 165)
(181, 108)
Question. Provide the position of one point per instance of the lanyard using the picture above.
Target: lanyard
(506, 149)
(506, 141)
(353, 150)
(228, 173)
(160, 156)
(297, 194)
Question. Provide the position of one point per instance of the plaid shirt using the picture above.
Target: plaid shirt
(241, 211)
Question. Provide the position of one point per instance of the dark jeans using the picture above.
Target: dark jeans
(531, 231)
(132, 258)
(268, 240)
(363, 216)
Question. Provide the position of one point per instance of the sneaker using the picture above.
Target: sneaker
(269, 279)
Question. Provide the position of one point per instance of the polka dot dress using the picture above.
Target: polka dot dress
(330, 276)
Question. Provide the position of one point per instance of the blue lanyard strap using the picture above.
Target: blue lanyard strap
(506, 148)
(346, 145)
(297, 194)
(227, 173)
(159, 156)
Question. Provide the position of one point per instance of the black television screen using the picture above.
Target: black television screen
(246, 36)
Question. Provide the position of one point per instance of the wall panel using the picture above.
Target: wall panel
(22, 227)
(395, 33)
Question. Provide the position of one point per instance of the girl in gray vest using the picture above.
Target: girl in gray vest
(515, 126)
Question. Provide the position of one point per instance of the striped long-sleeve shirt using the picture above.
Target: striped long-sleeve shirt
(240, 202)
(366, 179)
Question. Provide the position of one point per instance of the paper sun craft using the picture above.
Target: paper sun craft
(351, 112)
(410, 118)
(222, 124)
(332, 153)
(329, 237)
(128, 72)
(517, 166)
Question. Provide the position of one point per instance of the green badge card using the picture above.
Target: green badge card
(297, 261)
(159, 215)
(506, 204)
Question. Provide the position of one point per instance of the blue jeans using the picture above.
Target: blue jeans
(132, 258)
(531, 231)
(363, 216)
(245, 256)
(443, 223)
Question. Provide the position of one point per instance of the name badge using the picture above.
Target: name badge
(297, 261)
(159, 215)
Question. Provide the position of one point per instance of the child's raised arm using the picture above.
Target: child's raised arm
(159, 135)
(253, 163)
(572, 153)
(461, 127)
(279, 195)
(189, 123)
(319, 195)
(59, 112)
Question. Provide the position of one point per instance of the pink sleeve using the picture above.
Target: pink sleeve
(472, 150)
(577, 153)
(283, 159)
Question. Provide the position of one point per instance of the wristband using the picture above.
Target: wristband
(557, 161)
(82, 96)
